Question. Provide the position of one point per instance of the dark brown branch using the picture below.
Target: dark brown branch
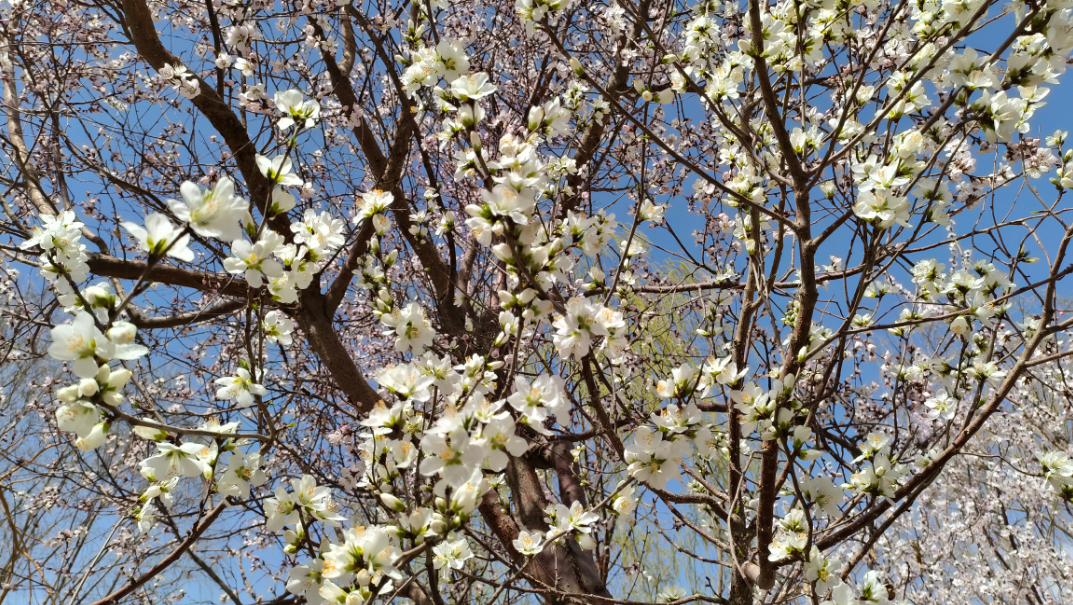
(184, 319)
(222, 283)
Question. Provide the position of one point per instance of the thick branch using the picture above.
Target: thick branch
(314, 320)
(110, 266)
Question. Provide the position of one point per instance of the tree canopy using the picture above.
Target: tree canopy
(544, 301)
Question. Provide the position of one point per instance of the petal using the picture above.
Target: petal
(264, 164)
(181, 250)
(129, 351)
(137, 231)
(85, 367)
(191, 193)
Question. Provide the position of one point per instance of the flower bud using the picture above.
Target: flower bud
(828, 189)
(392, 502)
(282, 201)
(122, 332)
(536, 118)
(87, 387)
(146, 432)
(95, 438)
(68, 394)
(116, 378)
(502, 252)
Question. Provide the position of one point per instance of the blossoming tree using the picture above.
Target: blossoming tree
(478, 301)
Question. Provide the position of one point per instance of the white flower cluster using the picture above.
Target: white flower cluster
(657, 453)
(471, 434)
(879, 201)
(572, 521)
(181, 79)
(822, 572)
(64, 259)
(536, 258)
(758, 408)
(585, 323)
(685, 380)
(411, 328)
(1058, 473)
(879, 474)
(998, 99)
(872, 590)
(352, 569)
(173, 461)
(79, 415)
(97, 337)
(532, 12)
(427, 66)
(89, 350)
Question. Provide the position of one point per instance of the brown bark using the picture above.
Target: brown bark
(315, 320)
(566, 568)
(221, 283)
